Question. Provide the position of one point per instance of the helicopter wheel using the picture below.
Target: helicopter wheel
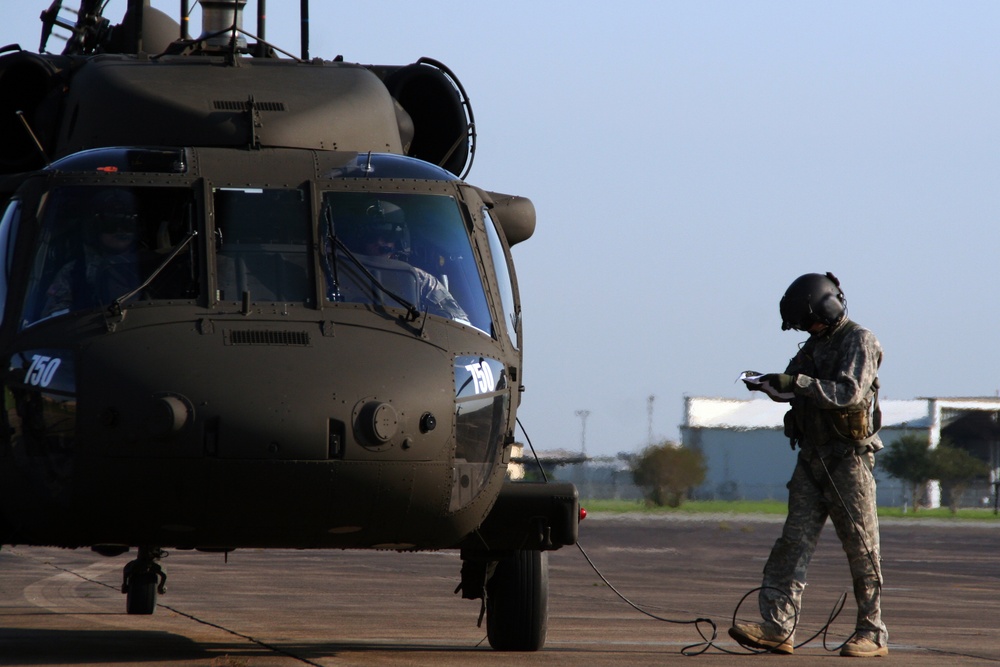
(141, 596)
(517, 597)
(142, 579)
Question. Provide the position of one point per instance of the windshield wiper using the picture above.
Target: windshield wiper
(412, 313)
(115, 309)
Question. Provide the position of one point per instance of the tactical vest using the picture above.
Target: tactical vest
(855, 425)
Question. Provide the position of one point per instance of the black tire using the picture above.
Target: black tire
(517, 602)
(141, 596)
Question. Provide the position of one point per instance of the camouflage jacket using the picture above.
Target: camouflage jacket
(836, 372)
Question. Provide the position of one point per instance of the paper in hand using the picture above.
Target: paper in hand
(755, 381)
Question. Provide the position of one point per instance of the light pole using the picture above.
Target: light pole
(583, 414)
(649, 414)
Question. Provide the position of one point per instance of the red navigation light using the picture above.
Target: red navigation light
(583, 514)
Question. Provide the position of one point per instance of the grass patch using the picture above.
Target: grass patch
(689, 506)
(968, 513)
(773, 507)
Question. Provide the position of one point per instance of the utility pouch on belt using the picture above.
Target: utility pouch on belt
(850, 424)
(792, 429)
(853, 425)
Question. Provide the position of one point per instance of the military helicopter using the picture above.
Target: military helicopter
(249, 301)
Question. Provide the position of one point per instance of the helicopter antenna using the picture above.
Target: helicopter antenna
(261, 27)
(34, 138)
(304, 28)
(185, 20)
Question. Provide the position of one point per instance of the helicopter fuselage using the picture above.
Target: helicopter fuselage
(250, 301)
(214, 416)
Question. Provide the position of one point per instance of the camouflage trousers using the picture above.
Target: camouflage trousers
(843, 488)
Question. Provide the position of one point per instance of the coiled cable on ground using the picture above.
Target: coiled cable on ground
(702, 625)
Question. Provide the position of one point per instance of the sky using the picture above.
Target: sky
(687, 161)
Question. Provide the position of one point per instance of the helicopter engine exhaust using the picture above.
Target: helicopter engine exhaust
(219, 18)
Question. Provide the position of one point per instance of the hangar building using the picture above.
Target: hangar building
(748, 457)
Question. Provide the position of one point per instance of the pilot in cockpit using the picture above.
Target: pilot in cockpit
(384, 233)
(110, 265)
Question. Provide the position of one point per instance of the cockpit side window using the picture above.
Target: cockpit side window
(415, 246)
(8, 232)
(511, 314)
(262, 245)
(96, 244)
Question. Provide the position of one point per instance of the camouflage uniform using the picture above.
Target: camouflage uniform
(102, 278)
(436, 297)
(834, 374)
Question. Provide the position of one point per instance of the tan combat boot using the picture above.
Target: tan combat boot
(762, 636)
(862, 647)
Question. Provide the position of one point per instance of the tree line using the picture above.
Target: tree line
(668, 472)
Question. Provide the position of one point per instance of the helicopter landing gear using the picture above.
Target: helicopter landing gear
(517, 602)
(142, 579)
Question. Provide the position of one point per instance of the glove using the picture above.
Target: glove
(782, 382)
(753, 385)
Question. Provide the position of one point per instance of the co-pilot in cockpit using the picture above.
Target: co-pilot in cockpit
(415, 246)
(97, 244)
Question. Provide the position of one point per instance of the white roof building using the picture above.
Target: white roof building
(747, 452)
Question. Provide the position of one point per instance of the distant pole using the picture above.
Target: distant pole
(583, 414)
(649, 414)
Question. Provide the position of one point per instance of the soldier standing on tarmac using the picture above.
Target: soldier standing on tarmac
(832, 387)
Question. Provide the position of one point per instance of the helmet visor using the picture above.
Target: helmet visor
(796, 313)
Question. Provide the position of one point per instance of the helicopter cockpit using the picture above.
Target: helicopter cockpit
(97, 244)
(109, 243)
(409, 248)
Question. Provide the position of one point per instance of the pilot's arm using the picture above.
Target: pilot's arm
(437, 299)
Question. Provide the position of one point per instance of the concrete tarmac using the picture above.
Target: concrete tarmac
(286, 608)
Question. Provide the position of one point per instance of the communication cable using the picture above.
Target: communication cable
(861, 533)
(702, 624)
(854, 522)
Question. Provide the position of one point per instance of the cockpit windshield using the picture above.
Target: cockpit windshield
(397, 250)
(112, 247)
(262, 243)
(97, 244)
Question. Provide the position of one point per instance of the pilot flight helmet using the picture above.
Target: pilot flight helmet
(109, 218)
(115, 211)
(812, 298)
(384, 223)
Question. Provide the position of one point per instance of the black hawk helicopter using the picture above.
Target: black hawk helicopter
(249, 301)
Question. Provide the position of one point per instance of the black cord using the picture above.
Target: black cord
(857, 526)
(698, 622)
(532, 447)
(701, 624)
